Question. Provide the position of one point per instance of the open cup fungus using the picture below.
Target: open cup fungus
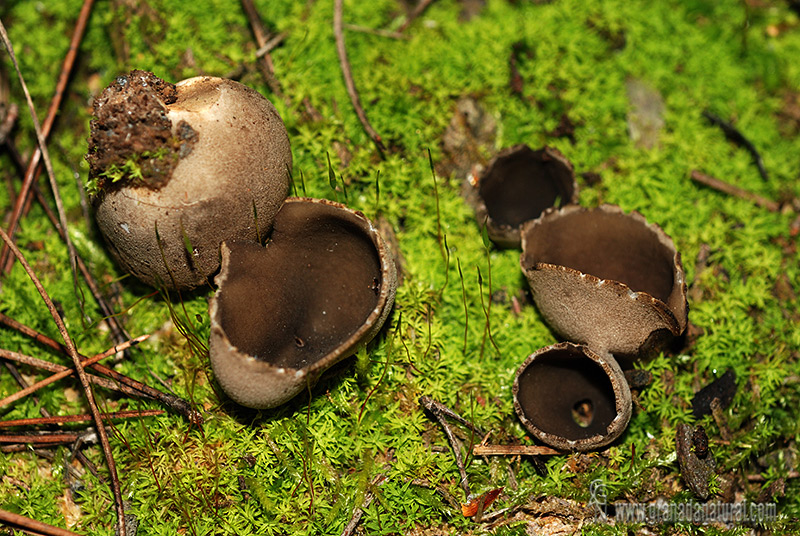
(613, 283)
(572, 398)
(283, 314)
(517, 186)
(176, 169)
(605, 279)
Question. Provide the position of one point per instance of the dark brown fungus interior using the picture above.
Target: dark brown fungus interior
(607, 245)
(315, 284)
(565, 394)
(521, 183)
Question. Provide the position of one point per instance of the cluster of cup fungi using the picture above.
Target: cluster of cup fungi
(610, 284)
(212, 183)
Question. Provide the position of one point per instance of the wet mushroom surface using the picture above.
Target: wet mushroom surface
(323, 284)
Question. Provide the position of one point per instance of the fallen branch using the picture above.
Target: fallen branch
(373, 31)
(45, 438)
(118, 332)
(761, 478)
(23, 199)
(513, 450)
(60, 371)
(63, 419)
(730, 189)
(349, 83)
(734, 135)
(369, 496)
(418, 10)
(440, 411)
(264, 59)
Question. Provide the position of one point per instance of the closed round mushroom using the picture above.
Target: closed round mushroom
(177, 169)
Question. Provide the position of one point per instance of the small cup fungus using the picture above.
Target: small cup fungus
(517, 186)
(572, 398)
(613, 283)
(177, 169)
(283, 314)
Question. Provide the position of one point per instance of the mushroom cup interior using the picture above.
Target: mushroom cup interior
(520, 185)
(311, 289)
(566, 394)
(608, 245)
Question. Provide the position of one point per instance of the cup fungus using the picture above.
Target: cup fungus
(177, 169)
(572, 398)
(517, 186)
(605, 279)
(322, 287)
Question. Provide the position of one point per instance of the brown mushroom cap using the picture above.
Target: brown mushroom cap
(605, 279)
(517, 186)
(229, 186)
(284, 313)
(572, 398)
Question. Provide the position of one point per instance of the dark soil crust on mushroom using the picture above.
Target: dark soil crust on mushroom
(131, 131)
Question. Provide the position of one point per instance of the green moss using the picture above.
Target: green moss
(305, 467)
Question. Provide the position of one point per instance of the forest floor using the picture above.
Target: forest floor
(623, 89)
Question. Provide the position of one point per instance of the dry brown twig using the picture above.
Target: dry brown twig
(513, 450)
(63, 419)
(373, 31)
(730, 189)
(341, 50)
(127, 385)
(32, 525)
(42, 438)
(60, 370)
(418, 10)
(440, 411)
(118, 332)
(73, 353)
(265, 44)
(369, 496)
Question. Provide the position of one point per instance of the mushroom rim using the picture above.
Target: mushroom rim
(505, 231)
(614, 429)
(383, 306)
(642, 297)
(677, 322)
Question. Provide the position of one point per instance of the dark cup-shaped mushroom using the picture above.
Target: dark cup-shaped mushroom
(322, 287)
(605, 279)
(517, 186)
(176, 169)
(572, 398)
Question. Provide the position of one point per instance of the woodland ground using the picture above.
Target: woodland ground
(551, 73)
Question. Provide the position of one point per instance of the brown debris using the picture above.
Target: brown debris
(696, 471)
(789, 115)
(516, 82)
(723, 388)
(131, 123)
